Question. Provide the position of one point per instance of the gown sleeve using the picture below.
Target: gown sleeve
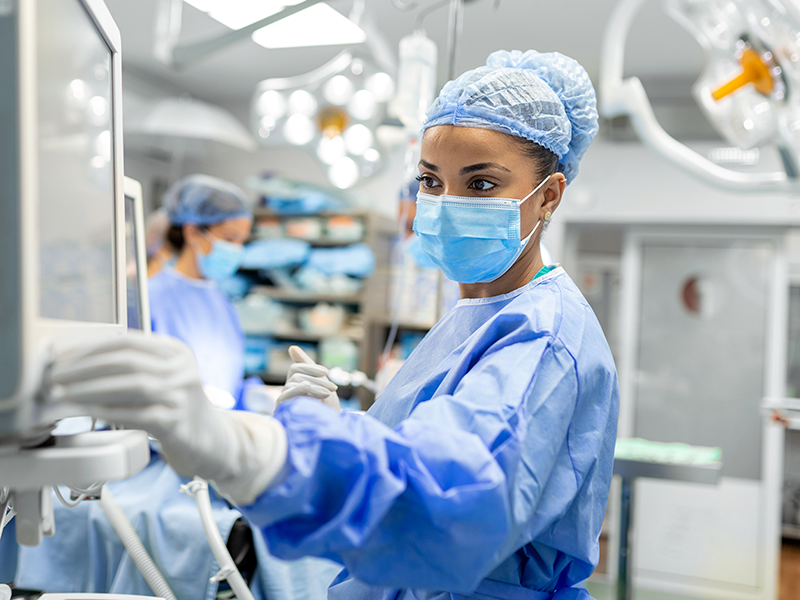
(447, 495)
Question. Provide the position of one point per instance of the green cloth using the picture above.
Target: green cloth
(545, 270)
(659, 452)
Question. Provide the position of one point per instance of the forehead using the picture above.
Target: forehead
(232, 225)
(456, 146)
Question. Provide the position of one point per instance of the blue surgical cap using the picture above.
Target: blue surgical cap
(204, 200)
(546, 98)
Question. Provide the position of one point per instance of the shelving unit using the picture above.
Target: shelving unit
(370, 304)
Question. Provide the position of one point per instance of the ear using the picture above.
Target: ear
(191, 233)
(553, 191)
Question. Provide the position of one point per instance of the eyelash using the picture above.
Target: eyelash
(423, 178)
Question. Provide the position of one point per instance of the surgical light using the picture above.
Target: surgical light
(343, 173)
(331, 149)
(748, 89)
(338, 91)
(357, 139)
(362, 106)
(381, 86)
(303, 103)
(273, 104)
(298, 130)
(331, 112)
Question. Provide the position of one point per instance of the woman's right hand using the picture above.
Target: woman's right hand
(307, 378)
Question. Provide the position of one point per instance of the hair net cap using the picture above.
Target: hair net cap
(204, 200)
(546, 98)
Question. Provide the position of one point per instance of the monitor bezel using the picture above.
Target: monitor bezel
(38, 334)
(133, 189)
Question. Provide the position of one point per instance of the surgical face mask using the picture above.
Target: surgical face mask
(222, 261)
(472, 240)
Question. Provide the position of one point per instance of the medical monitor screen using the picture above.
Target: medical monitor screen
(76, 170)
(132, 267)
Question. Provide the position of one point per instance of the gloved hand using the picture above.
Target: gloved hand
(307, 378)
(152, 383)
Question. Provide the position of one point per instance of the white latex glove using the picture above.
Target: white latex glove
(307, 378)
(152, 383)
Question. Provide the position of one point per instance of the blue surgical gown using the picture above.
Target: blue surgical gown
(200, 315)
(481, 471)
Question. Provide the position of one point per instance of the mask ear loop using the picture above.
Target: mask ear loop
(537, 188)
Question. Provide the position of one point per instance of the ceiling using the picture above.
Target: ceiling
(658, 48)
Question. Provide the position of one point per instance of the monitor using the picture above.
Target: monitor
(62, 208)
(138, 301)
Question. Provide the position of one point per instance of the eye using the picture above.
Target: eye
(426, 182)
(482, 185)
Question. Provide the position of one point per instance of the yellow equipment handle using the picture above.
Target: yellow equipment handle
(754, 70)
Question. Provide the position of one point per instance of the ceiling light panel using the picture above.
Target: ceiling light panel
(318, 25)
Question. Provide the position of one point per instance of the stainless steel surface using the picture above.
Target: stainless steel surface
(677, 472)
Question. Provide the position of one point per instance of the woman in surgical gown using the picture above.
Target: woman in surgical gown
(209, 221)
(483, 469)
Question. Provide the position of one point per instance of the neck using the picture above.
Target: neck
(187, 264)
(521, 273)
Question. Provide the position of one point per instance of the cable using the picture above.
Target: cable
(67, 503)
(134, 546)
(198, 489)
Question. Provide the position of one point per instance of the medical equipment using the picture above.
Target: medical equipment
(62, 226)
(135, 258)
(748, 89)
(416, 80)
(198, 489)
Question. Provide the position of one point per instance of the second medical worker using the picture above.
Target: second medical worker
(209, 221)
(483, 469)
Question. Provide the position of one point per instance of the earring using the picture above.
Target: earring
(547, 215)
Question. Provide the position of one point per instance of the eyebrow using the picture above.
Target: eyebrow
(482, 167)
(467, 170)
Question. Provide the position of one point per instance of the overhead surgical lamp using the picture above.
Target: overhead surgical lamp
(749, 90)
(331, 112)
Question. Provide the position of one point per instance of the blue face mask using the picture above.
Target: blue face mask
(222, 261)
(471, 239)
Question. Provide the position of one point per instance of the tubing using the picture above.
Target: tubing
(134, 546)
(227, 568)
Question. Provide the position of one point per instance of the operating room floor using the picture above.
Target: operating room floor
(789, 580)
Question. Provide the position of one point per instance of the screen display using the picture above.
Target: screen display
(76, 170)
(132, 267)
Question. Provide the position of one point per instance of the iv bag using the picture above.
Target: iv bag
(416, 85)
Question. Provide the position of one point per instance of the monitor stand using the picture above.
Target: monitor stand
(78, 460)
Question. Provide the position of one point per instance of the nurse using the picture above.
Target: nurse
(209, 221)
(483, 469)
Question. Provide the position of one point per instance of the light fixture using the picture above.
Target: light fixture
(357, 139)
(298, 130)
(273, 104)
(331, 149)
(338, 90)
(362, 106)
(344, 173)
(332, 113)
(303, 103)
(317, 25)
